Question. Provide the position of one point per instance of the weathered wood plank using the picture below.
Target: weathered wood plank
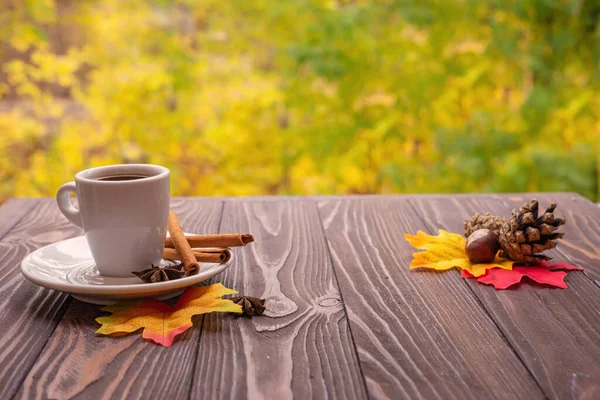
(418, 334)
(12, 211)
(28, 313)
(77, 363)
(554, 331)
(303, 347)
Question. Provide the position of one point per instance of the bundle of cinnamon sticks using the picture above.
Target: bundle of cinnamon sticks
(199, 248)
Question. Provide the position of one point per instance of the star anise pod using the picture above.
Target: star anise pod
(251, 306)
(158, 274)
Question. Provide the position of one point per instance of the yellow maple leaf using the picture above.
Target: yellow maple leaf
(447, 250)
(161, 322)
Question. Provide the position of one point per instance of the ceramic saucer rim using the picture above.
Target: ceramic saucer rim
(141, 288)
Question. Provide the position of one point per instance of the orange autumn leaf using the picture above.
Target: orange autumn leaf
(161, 323)
(447, 250)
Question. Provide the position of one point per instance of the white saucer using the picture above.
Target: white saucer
(68, 266)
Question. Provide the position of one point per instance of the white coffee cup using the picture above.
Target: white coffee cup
(125, 221)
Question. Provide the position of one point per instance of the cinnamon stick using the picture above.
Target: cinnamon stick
(182, 246)
(220, 256)
(217, 240)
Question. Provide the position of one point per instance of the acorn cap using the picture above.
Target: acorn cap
(487, 221)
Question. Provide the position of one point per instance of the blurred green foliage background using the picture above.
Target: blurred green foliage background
(303, 96)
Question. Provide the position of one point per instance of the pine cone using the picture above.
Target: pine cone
(487, 221)
(526, 235)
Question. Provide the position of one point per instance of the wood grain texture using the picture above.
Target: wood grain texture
(77, 363)
(28, 313)
(420, 335)
(554, 331)
(581, 244)
(12, 211)
(302, 348)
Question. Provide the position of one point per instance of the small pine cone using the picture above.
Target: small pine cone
(527, 235)
(487, 221)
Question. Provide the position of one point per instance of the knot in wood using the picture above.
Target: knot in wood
(330, 302)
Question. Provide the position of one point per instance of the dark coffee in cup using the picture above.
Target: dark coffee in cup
(121, 178)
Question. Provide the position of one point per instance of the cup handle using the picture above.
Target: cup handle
(65, 206)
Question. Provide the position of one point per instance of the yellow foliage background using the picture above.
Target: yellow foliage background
(303, 96)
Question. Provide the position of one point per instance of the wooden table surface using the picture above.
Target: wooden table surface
(346, 317)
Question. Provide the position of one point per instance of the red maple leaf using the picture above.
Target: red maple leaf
(544, 273)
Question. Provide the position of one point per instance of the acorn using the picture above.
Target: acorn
(482, 246)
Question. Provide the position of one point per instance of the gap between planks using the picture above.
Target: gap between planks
(411, 343)
(551, 330)
(304, 347)
(24, 234)
(433, 231)
(117, 367)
